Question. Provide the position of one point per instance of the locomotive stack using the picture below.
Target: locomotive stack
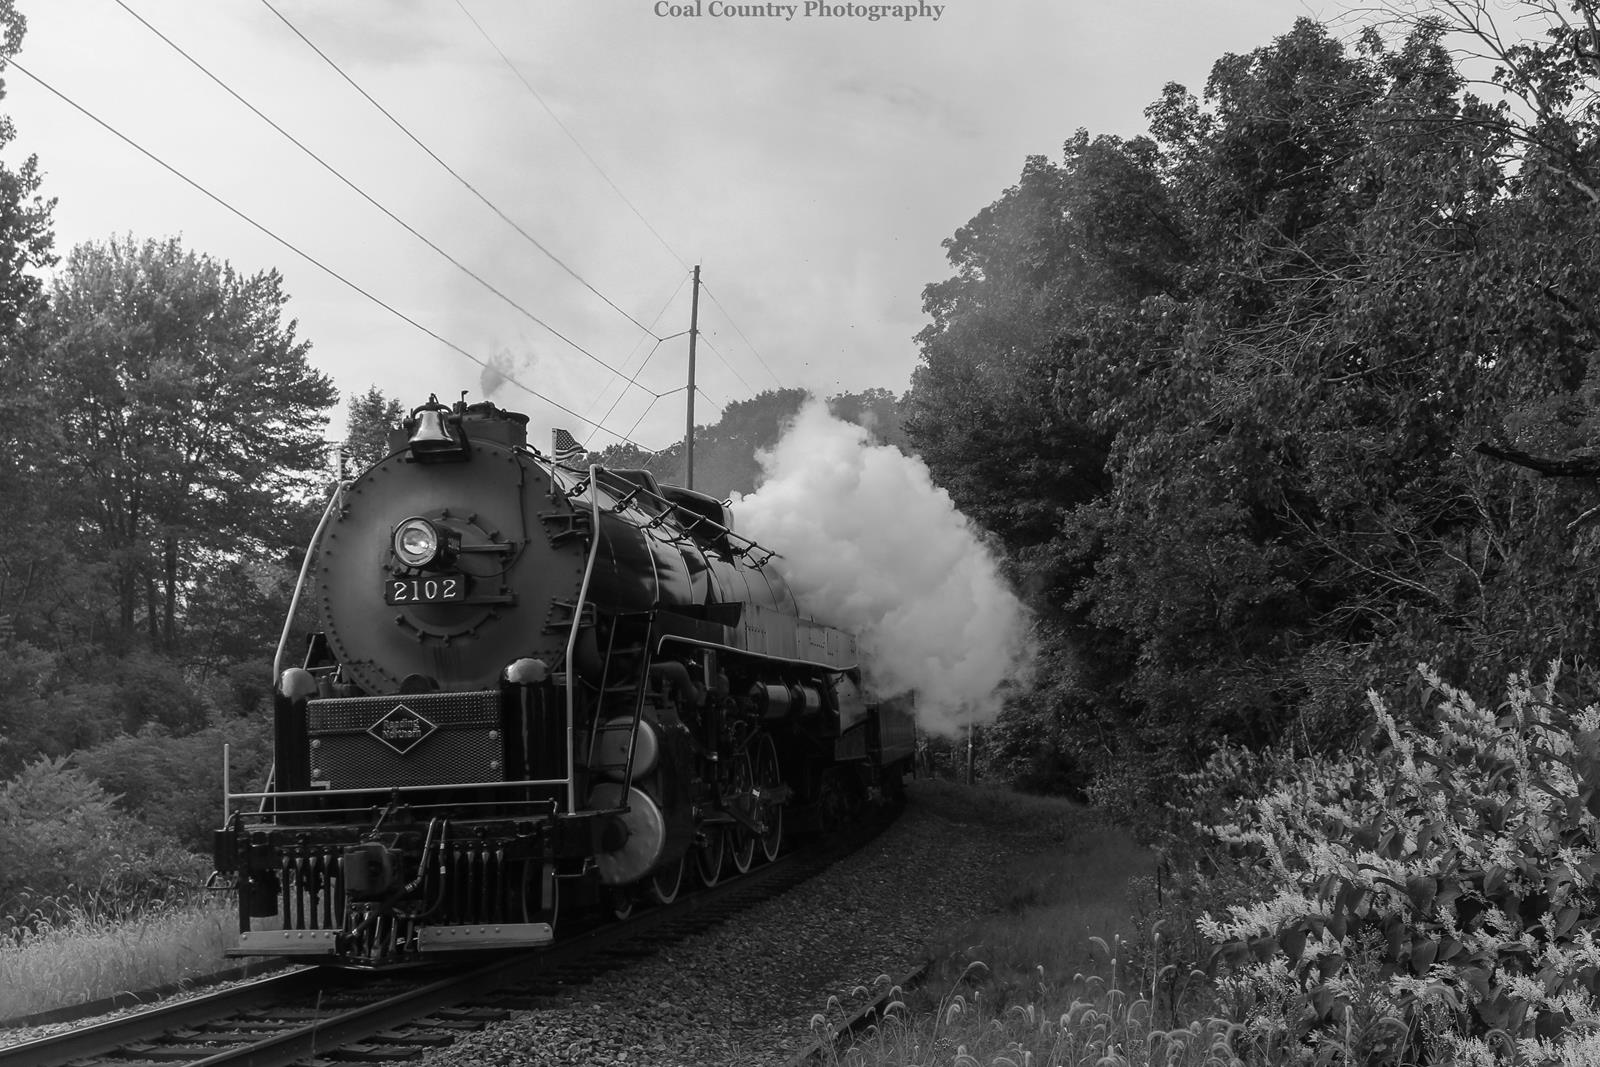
(537, 687)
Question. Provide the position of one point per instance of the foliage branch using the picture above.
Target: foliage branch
(1434, 900)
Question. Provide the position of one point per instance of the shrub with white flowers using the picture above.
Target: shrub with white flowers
(1432, 900)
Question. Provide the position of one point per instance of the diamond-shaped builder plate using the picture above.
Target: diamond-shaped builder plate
(402, 729)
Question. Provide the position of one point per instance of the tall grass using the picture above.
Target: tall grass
(1088, 1022)
(1071, 969)
(89, 954)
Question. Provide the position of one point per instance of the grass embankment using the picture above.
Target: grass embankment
(1072, 969)
(87, 957)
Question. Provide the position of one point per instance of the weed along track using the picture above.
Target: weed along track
(325, 1014)
(856, 1022)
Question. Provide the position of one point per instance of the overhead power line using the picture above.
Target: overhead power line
(509, 221)
(740, 332)
(634, 375)
(468, 271)
(493, 207)
(726, 365)
(640, 419)
(618, 400)
(571, 136)
(614, 187)
(309, 258)
(646, 361)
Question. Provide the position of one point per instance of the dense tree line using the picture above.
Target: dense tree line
(727, 452)
(1218, 388)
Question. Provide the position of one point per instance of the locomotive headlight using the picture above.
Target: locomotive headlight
(416, 542)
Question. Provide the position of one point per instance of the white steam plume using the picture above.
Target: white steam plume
(869, 543)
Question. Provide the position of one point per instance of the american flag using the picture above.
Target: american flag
(565, 447)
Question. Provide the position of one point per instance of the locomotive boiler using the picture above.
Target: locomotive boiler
(535, 686)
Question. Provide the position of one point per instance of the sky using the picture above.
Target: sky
(549, 171)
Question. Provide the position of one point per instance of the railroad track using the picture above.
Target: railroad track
(314, 1015)
(837, 1037)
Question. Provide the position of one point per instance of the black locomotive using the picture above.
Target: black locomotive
(537, 686)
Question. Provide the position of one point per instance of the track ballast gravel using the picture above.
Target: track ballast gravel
(747, 991)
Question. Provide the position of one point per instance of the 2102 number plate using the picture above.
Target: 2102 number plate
(437, 589)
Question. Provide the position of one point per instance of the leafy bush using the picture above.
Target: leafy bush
(1432, 898)
(175, 783)
(47, 709)
(66, 849)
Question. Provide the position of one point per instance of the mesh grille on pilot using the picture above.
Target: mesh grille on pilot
(459, 749)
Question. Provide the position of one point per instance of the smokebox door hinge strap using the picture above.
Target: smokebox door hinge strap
(562, 612)
(564, 526)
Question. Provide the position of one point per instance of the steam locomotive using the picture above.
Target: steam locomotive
(537, 686)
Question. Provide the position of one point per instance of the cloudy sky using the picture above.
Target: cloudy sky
(599, 148)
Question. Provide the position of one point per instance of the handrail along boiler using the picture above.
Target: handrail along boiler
(535, 686)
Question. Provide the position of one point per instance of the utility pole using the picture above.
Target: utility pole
(688, 433)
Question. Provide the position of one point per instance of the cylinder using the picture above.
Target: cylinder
(611, 748)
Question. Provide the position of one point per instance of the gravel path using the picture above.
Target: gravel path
(745, 992)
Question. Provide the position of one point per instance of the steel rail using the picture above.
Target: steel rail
(857, 1023)
(153, 1022)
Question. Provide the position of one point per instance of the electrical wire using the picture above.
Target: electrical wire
(557, 260)
(618, 400)
(713, 401)
(640, 419)
(14, 65)
(651, 333)
(564, 129)
(469, 272)
(740, 332)
(726, 365)
(571, 136)
(614, 188)
(509, 221)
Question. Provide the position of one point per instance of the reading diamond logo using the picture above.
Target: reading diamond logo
(402, 729)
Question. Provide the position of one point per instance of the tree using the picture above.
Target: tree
(172, 782)
(371, 416)
(1539, 61)
(724, 454)
(24, 214)
(1054, 265)
(727, 453)
(187, 411)
(64, 848)
(34, 578)
(1215, 389)
(26, 431)
(876, 410)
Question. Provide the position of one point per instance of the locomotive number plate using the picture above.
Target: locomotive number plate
(439, 589)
